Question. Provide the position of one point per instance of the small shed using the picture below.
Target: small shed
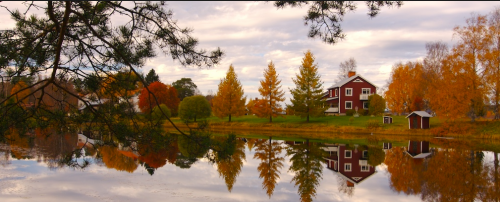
(387, 120)
(419, 120)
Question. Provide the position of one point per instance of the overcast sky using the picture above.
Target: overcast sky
(253, 33)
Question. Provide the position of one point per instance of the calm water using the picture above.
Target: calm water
(230, 168)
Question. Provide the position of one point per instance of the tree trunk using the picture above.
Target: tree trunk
(229, 117)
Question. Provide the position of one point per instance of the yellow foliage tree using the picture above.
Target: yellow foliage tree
(229, 100)
(270, 90)
(268, 152)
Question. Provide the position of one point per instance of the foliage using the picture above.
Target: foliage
(405, 85)
(350, 112)
(271, 162)
(229, 163)
(308, 92)
(270, 90)
(158, 93)
(161, 112)
(250, 106)
(344, 69)
(21, 92)
(194, 107)
(376, 156)
(377, 104)
(324, 17)
(151, 77)
(229, 100)
(185, 88)
(77, 41)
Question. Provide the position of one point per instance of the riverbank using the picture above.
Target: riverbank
(324, 126)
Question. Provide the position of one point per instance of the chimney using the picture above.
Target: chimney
(351, 73)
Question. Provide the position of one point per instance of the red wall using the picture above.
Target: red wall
(356, 91)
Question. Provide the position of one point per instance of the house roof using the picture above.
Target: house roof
(347, 80)
(420, 113)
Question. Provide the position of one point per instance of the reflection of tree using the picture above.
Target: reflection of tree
(306, 164)
(229, 155)
(405, 173)
(268, 152)
(345, 186)
(376, 156)
(456, 175)
(112, 158)
(492, 192)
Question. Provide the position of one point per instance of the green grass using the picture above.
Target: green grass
(399, 122)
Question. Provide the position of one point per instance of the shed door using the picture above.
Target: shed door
(415, 121)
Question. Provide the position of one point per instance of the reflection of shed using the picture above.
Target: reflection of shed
(387, 145)
(418, 149)
(419, 119)
(387, 120)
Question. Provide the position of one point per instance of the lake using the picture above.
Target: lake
(66, 167)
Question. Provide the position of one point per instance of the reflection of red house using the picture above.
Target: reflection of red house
(419, 120)
(351, 164)
(418, 149)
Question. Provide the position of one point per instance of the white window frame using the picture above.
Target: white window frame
(345, 154)
(346, 104)
(345, 167)
(336, 92)
(367, 168)
(346, 91)
(364, 105)
(369, 91)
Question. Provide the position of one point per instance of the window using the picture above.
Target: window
(330, 93)
(365, 168)
(365, 105)
(358, 80)
(348, 92)
(348, 104)
(365, 91)
(365, 154)
(336, 92)
(347, 153)
(347, 167)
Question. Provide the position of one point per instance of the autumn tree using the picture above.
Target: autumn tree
(462, 90)
(344, 69)
(229, 100)
(270, 90)
(229, 164)
(268, 152)
(185, 87)
(75, 40)
(491, 60)
(376, 104)
(21, 92)
(158, 93)
(250, 106)
(151, 77)
(308, 92)
(405, 84)
(194, 107)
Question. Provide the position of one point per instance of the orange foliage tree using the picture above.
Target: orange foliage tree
(229, 100)
(270, 90)
(21, 95)
(405, 85)
(491, 60)
(164, 94)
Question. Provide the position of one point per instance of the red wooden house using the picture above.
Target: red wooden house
(419, 119)
(350, 164)
(349, 93)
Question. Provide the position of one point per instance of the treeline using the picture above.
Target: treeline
(453, 83)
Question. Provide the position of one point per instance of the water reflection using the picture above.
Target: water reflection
(430, 170)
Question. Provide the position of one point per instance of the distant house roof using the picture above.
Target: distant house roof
(420, 113)
(347, 80)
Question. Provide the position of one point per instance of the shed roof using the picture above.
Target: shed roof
(420, 113)
(347, 80)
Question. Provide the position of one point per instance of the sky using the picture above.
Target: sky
(254, 33)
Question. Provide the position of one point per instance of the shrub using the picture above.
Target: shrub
(362, 112)
(158, 115)
(350, 112)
